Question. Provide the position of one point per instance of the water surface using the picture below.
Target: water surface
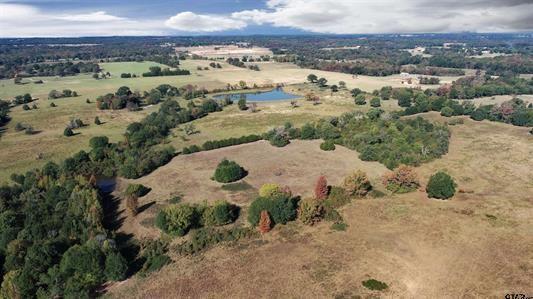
(260, 96)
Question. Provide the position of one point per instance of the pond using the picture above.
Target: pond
(260, 96)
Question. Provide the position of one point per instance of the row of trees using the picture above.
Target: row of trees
(66, 93)
(156, 71)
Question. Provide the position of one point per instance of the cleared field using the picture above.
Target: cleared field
(287, 73)
(477, 244)
(225, 51)
(19, 151)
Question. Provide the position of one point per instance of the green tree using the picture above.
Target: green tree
(441, 186)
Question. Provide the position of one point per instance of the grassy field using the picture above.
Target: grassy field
(20, 152)
(477, 244)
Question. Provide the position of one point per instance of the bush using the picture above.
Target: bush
(68, 132)
(270, 190)
(176, 219)
(282, 208)
(340, 226)
(307, 132)
(440, 186)
(337, 197)
(97, 121)
(138, 190)
(374, 285)
(401, 180)
(327, 145)
(310, 211)
(321, 188)
(228, 171)
(53, 105)
(357, 184)
(220, 213)
(360, 99)
(279, 140)
(206, 237)
(115, 267)
(375, 102)
(25, 107)
(446, 111)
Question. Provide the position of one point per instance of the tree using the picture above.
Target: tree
(228, 171)
(446, 111)
(242, 102)
(321, 188)
(269, 190)
(334, 88)
(440, 186)
(97, 121)
(357, 184)
(312, 78)
(310, 211)
(342, 85)
(356, 91)
(322, 82)
(375, 102)
(68, 132)
(360, 99)
(242, 84)
(264, 222)
(116, 267)
(402, 180)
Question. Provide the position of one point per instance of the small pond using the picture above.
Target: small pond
(260, 96)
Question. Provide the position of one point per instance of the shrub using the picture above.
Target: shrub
(357, 184)
(242, 103)
(154, 254)
(19, 127)
(220, 213)
(53, 105)
(375, 102)
(337, 197)
(307, 132)
(205, 237)
(441, 186)
(97, 121)
(264, 222)
(374, 285)
(327, 145)
(310, 211)
(29, 130)
(279, 140)
(340, 226)
(321, 188)
(228, 171)
(25, 107)
(282, 208)
(446, 111)
(115, 267)
(360, 99)
(137, 190)
(68, 132)
(402, 180)
(270, 190)
(176, 219)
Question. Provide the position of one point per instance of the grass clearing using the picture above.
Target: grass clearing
(418, 246)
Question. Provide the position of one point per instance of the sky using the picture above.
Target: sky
(72, 18)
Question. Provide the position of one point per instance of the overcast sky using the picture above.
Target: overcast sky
(190, 17)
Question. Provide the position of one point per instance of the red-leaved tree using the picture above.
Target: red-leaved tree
(321, 188)
(264, 222)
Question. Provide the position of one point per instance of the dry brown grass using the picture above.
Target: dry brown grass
(478, 244)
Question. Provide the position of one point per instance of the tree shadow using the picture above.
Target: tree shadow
(145, 207)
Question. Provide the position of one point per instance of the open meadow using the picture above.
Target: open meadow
(22, 152)
(478, 244)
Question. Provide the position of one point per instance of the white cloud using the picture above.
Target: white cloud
(391, 16)
(18, 20)
(189, 21)
(98, 16)
(320, 16)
